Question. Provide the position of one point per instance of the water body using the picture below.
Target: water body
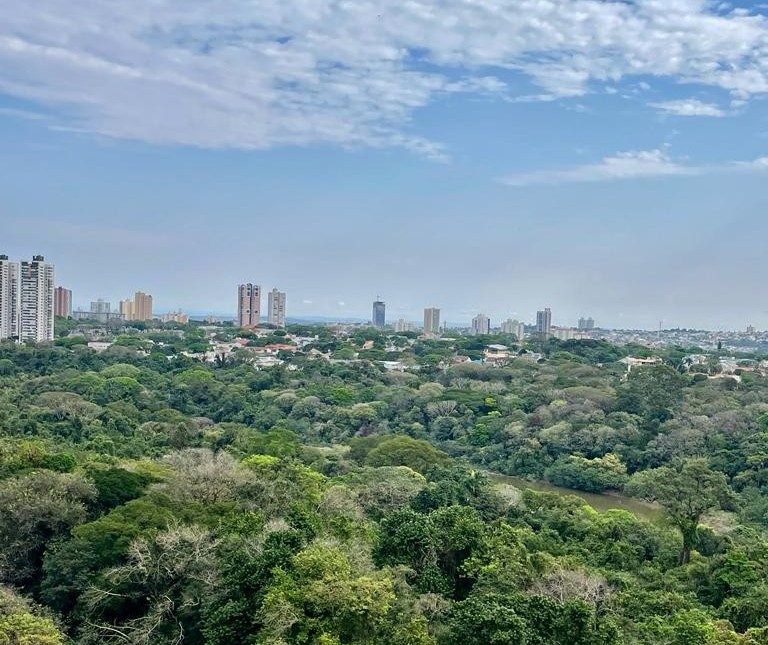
(598, 501)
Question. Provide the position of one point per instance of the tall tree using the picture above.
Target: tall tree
(685, 491)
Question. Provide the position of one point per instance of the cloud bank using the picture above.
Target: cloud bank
(257, 74)
(630, 165)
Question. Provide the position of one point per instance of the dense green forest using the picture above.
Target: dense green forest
(151, 497)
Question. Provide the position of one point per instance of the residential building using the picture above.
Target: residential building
(544, 323)
(513, 327)
(127, 309)
(142, 303)
(105, 318)
(9, 298)
(379, 318)
(140, 308)
(248, 305)
(62, 302)
(481, 325)
(431, 321)
(496, 354)
(36, 300)
(276, 308)
(586, 324)
(101, 306)
(175, 316)
(404, 325)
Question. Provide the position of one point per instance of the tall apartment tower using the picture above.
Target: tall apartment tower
(142, 306)
(514, 327)
(544, 322)
(431, 321)
(101, 306)
(276, 308)
(248, 305)
(62, 302)
(126, 309)
(379, 316)
(36, 300)
(481, 325)
(9, 298)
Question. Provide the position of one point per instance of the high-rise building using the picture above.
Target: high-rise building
(431, 321)
(9, 298)
(513, 327)
(586, 324)
(138, 308)
(62, 302)
(481, 325)
(248, 305)
(127, 309)
(544, 323)
(142, 306)
(276, 308)
(101, 306)
(379, 317)
(36, 300)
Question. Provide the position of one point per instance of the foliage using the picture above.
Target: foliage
(148, 496)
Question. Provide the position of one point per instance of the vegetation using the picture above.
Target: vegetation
(152, 494)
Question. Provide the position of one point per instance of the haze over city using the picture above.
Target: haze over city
(604, 159)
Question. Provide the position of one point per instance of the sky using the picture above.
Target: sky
(605, 159)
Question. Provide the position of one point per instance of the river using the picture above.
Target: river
(598, 501)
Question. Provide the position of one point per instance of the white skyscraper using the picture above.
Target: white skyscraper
(481, 325)
(36, 289)
(9, 298)
(276, 308)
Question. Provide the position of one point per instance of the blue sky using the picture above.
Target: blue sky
(601, 158)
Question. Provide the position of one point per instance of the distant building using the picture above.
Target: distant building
(276, 308)
(513, 327)
(586, 324)
(175, 316)
(36, 300)
(495, 354)
(142, 303)
(62, 302)
(431, 321)
(750, 329)
(9, 298)
(481, 325)
(544, 322)
(248, 305)
(126, 309)
(104, 318)
(631, 361)
(101, 306)
(140, 308)
(403, 325)
(379, 316)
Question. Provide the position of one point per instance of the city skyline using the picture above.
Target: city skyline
(461, 317)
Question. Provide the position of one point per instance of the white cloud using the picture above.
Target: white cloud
(623, 165)
(246, 74)
(689, 107)
(629, 165)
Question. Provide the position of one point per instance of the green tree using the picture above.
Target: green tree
(685, 491)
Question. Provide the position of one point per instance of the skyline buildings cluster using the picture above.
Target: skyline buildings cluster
(249, 306)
